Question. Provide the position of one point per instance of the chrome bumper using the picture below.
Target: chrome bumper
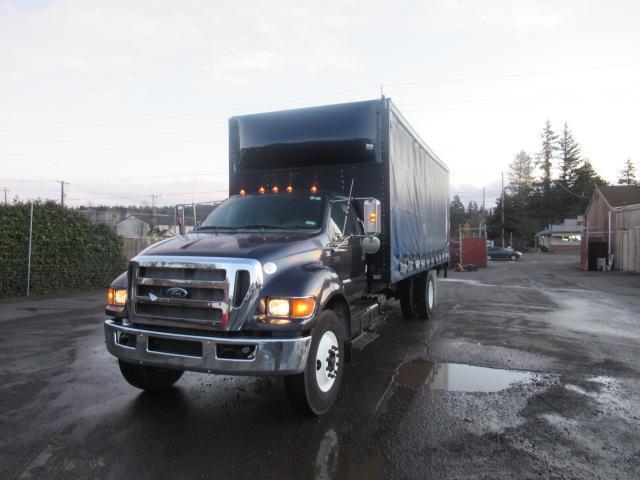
(273, 356)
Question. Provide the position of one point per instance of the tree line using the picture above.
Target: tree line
(542, 188)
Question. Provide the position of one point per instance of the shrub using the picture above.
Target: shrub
(67, 252)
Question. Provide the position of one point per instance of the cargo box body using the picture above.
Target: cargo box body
(367, 143)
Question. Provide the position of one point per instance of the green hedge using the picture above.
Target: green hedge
(67, 252)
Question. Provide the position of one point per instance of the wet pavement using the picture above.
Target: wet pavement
(529, 369)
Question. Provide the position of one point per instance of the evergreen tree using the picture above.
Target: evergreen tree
(472, 209)
(569, 158)
(628, 174)
(546, 156)
(521, 178)
(456, 214)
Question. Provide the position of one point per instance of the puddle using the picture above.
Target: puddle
(457, 377)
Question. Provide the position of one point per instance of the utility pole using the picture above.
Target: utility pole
(5, 195)
(62, 184)
(482, 199)
(502, 227)
(153, 207)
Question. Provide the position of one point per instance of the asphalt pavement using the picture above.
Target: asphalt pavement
(529, 369)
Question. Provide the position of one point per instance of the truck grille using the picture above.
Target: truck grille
(193, 292)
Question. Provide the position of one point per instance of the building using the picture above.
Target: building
(611, 233)
(563, 238)
(133, 226)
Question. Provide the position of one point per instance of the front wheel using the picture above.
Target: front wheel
(489, 257)
(514, 258)
(152, 379)
(315, 390)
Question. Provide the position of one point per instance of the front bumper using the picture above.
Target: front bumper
(272, 356)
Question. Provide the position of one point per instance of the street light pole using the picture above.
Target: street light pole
(502, 208)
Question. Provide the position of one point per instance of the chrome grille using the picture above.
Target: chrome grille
(194, 292)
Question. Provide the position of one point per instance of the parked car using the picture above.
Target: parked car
(506, 253)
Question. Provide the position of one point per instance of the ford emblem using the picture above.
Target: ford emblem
(177, 292)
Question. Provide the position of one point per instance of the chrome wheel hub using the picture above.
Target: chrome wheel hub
(327, 361)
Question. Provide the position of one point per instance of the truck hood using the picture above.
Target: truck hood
(262, 246)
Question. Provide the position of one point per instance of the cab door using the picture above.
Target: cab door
(347, 257)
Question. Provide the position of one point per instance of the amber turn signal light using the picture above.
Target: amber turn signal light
(373, 217)
(302, 307)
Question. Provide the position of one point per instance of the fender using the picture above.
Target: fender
(300, 280)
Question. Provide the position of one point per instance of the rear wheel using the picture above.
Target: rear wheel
(315, 390)
(514, 258)
(425, 291)
(489, 257)
(153, 379)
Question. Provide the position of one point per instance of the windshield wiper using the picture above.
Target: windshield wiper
(214, 227)
(261, 225)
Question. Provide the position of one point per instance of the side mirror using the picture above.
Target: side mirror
(372, 217)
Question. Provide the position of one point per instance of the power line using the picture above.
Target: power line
(118, 137)
(125, 147)
(355, 89)
(515, 75)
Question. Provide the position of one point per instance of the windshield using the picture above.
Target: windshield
(282, 212)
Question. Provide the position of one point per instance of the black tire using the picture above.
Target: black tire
(425, 294)
(151, 379)
(489, 257)
(304, 390)
(407, 298)
(513, 258)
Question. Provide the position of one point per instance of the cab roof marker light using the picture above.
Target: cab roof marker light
(261, 190)
(275, 189)
(243, 192)
(289, 189)
(314, 189)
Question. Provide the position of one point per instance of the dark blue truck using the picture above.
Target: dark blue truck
(332, 210)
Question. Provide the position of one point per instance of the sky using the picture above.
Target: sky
(124, 100)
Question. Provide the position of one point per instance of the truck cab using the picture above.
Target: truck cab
(332, 210)
(244, 292)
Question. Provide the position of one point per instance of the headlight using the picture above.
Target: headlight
(278, 307)
(291, 307)
(116, 296)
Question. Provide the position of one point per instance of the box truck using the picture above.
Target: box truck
(332, 211)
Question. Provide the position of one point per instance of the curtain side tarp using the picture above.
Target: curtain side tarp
(419, 202)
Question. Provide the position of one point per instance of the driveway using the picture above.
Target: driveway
(529, 369)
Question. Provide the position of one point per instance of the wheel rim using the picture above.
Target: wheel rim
(327, 361)
(488, 257)
(430, 293)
